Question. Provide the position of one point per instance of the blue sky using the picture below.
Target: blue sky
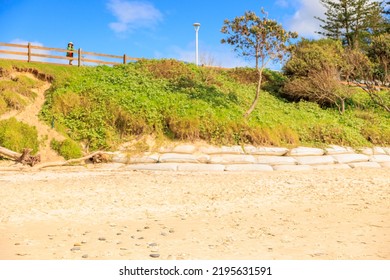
(149, 29)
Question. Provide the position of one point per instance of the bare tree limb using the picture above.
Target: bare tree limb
(96, 157)
(25, 157)
(4, 152)
(371, 90)
(34, 161)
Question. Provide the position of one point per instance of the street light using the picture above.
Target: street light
(196, 25)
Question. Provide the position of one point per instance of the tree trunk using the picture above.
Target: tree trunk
(341, 107)
(4, 152)
(96, 157)
(24, 158)
(256, 100)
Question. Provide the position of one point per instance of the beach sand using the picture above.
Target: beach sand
(65, 213)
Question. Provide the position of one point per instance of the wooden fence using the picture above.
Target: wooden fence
(80, 56)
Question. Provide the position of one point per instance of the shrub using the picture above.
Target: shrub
(320, 86)
(183, 128)
(68, 148)
(17, 136)
(244, 76)
(169, 69)
(311, 55)
(274, 81)
(376, 135)
(64, 103)
(332, 133)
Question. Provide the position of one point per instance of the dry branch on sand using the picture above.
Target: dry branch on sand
(25, 157)
(96, 157)
(34, 161)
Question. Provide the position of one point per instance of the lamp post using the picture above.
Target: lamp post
(196, 25)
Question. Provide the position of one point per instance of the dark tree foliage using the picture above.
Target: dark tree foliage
(386, 7)
(386, 15)
(351, 21)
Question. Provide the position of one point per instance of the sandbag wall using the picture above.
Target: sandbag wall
(250, 158)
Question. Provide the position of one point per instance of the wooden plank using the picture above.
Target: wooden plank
(40, 62)
(29, 47)
(52, 56)
(102, 54)
(100, 61)
(52, 49)
(13, 45)
(12, 52)
(128, 58)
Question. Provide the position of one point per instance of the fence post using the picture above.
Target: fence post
(29, 52)
(124, 59)
(79, 57)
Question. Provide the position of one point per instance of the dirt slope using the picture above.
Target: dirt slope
(29, 115)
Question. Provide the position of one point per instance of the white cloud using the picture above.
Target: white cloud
(131, 15)
(303, 20)
(282, 3)
(24, 50)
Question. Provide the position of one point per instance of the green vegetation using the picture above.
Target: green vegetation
(313, 102)
(258, 38)
(16, 136)
(102, 107)
(15, 92)
(354, 22)
(68, 148)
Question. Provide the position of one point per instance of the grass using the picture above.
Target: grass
(102, 107)
(68, 148)
(15, 92)
(16, 135)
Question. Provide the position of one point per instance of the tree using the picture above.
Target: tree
(315, 69)
(260, 38)
(351, 21)
(379, 53)
(356, 66)
(386, 15)
(322, 87)
(312, 55)
(386, 7)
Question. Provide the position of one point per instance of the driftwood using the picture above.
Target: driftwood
(4, 152)
(96, 157)
(24, 158)
(27, 159)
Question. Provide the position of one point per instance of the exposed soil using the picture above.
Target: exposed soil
(29, 115)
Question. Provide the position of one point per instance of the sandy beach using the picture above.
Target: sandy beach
(66, 213)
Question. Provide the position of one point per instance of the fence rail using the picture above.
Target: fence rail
(79, 56)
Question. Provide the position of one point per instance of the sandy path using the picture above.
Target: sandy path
(62, 214)
(30, 114)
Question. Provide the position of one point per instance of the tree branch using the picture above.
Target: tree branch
(26, 159)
